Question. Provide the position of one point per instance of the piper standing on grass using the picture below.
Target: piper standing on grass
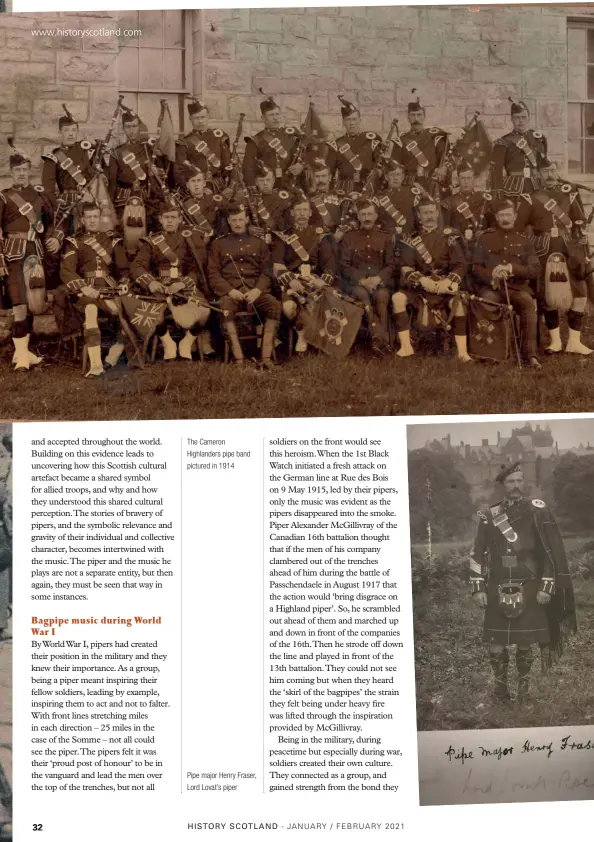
(519, 573)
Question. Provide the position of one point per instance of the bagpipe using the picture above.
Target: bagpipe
(453, 155)
(312, 286)
(236, 177)
(368, 187)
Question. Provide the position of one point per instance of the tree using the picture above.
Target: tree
(573, 491)
(438, 494)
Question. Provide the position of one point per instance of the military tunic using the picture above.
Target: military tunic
(421, 154)
(498, 247)
(326, 210)
(498, 562)
(367, 254)
(396, 209)
(354, 158)
(170, 258)
(208, 150)
(438, 254)
(271, 209)
(203, 211)
(468, 213)
(95, 260)
(311, 248)
(67, 170)
(275, 148)
(25, 214)
(516, 161)
(242, 262)
(129, 172)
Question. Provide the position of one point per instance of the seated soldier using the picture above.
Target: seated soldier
(468, 211)
(170, 265)
(433, 267)
(555, 216)
(326, 205)
(505, 262)
(93, 266)
(396, 201)
(303, 261)
(368, 265)
(239, 273)
(199, 204)
(268, 204)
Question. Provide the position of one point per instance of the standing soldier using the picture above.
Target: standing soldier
(239, 273)
(557, 219)
(519, 574)
(67, 169)
(303, 261)
(396, 202)
(505, 262)
(94, 263)
(205, 148)
(199, 204)
(355, 152)
(25, 214)
(171, 264)
(518, 156)
(132, 186)
(433, 269)
(423, 151)
(274, 146)
(368, 269)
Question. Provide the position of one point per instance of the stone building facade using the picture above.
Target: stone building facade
(460, 59)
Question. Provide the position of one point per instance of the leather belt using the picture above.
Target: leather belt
(95, 274)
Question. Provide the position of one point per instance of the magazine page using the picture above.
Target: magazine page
(294, 305)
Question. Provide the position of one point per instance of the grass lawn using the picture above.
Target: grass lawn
(454, 678)
(314, 386)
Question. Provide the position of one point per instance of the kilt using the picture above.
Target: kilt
(530, 627)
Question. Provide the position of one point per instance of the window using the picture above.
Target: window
(156, 64)
(580, 94)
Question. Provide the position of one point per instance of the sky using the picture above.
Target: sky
(567, 432)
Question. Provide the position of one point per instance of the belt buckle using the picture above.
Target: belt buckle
(509, 561)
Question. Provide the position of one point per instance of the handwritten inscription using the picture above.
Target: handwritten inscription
(475, 784)
(462, 755)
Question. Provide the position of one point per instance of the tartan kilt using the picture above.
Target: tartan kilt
(530, 627)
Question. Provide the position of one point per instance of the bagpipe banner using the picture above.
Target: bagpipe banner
(332, 323)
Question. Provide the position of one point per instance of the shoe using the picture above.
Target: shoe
(534, 364)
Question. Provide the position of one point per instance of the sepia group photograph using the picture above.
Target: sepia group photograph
(296, 212)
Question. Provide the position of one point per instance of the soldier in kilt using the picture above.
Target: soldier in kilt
(519, 574)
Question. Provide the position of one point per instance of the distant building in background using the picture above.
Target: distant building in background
(481, 463)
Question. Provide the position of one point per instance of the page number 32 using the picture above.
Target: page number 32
(37, 827)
